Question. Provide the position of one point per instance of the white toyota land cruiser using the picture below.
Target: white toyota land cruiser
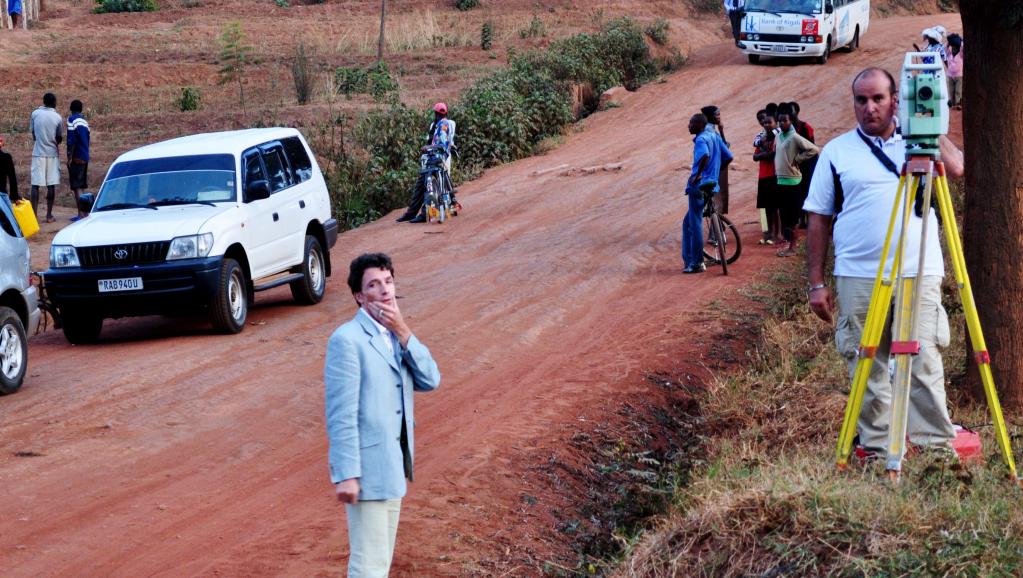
(202, 221)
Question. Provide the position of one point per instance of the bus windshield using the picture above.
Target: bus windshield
(782, 6)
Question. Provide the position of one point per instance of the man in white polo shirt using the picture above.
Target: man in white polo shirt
(855, 184)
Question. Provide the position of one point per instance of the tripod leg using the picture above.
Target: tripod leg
(905, 333)
(955, 248)
(873, 328)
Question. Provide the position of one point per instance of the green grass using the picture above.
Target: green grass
(769, 500)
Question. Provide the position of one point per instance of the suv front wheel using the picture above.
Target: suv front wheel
(310, 288)
(13, 351)
(229, 307)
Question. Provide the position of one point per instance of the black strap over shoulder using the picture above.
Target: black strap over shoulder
(879, 154)
(839, 192)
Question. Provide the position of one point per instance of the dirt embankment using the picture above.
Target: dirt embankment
(167, 450)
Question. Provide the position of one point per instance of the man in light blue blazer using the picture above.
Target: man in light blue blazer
(373, 365)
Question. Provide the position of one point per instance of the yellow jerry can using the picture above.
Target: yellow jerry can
(26, 218)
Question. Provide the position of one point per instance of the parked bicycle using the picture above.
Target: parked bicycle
(721, 242)
(48, 311)
(438, 199)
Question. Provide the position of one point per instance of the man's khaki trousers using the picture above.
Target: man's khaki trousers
(929, 423)
(372, 529)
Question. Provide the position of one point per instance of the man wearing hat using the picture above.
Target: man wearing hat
(442, 133)
(933, 38)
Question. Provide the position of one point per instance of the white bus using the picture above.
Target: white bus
(800, 28)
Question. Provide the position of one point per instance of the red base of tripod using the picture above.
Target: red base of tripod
(966, 445)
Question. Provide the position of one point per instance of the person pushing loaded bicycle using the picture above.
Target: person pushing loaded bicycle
(441, 134)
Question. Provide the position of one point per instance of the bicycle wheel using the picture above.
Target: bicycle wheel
(733, 243)
(442, 207)
(719, 233)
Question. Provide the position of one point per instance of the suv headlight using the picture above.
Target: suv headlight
(63, 256)
(190, 247)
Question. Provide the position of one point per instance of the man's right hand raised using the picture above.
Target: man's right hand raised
(347, 491)
(822, 304)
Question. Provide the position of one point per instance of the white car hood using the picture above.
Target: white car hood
(138, 225)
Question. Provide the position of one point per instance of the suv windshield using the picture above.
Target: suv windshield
(779, 6)
(202, 179)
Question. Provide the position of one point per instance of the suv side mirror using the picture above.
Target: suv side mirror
(257, 190)
(829, 7)
(85, 202)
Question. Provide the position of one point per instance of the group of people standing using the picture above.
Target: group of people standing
(787, 157)
(949, 48)
(47, 129)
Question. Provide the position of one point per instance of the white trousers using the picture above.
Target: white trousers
(372, 530)
(929, 423)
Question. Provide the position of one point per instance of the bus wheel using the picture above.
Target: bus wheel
(823, 58)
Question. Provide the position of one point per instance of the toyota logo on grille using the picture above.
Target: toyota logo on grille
(121, 254)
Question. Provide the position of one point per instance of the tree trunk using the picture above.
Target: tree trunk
(993, 218)
(383, 19)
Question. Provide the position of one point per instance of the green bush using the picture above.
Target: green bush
(658, 31)
(190, 99)
(501, 117)
(351, 80)
(487, 35)
(103, 6)
(466, 4)
(617, 55)
(381, 82)
(376, 80)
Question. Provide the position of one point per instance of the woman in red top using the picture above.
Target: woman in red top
(763, 151)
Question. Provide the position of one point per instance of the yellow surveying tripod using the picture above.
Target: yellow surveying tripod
(917, 176)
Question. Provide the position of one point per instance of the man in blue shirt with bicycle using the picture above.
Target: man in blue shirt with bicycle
(442, 134)
(708, 152)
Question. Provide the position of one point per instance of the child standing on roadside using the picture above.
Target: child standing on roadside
(763, 152)
(955, 71)
(791, 150)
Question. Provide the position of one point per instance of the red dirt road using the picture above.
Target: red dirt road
(167, 450)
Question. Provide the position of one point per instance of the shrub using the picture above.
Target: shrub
(502, 116)
(713, 6)
(234, 57)
(390, 137)
(190, 99)
(125, 6)
(658, 31)
(536, 29)
(351, 80)
(466, 4)
(381, 82)
(302, 74)
(617, 55)
(487, 35)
